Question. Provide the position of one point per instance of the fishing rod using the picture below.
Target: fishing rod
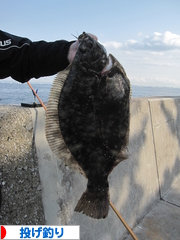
(37, 96)
(123, 221)
(111, 204)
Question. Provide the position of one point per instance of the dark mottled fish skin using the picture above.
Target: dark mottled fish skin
(93, 114)
(0, 197)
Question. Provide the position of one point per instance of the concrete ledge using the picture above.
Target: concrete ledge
(136, 184)
(19, 172)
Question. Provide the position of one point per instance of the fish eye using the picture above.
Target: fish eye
(89, 44)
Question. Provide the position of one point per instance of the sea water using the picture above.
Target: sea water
(17, 93)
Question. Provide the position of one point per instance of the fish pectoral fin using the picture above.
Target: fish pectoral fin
(123, 155)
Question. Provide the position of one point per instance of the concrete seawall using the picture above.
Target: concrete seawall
(38, 189)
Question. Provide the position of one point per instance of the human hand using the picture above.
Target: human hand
(72, 51)
(74, 47)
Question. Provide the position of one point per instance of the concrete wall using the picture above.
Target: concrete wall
(166, 128)
(135, 184)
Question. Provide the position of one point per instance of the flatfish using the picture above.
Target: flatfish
(87, 122)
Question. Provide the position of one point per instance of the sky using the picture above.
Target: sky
(143, 35)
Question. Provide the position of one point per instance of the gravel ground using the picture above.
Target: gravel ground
(19, 173)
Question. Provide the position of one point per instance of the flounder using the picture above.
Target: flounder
(87, 120)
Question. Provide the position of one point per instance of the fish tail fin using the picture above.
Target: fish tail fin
(94, 204)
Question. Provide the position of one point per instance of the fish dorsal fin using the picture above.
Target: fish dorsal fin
(52, 127)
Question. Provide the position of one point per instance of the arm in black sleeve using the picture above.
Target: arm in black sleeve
(23, 59)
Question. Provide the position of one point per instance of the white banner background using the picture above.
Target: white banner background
(15, 232)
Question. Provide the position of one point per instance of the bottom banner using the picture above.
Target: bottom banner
(40, 232)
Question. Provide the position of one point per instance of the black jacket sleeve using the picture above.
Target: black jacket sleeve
(22, 59)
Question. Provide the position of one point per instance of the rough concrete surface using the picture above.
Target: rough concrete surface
(19, 172)
(173, 195)
(162, 223)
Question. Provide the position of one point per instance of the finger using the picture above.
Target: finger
(76, 45)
